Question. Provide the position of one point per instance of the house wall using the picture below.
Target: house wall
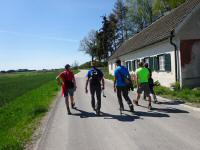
(165, 78)
(189, 37)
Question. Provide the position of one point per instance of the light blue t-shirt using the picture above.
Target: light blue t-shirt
(124, 71)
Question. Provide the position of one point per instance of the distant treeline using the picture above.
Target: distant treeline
(27, 70)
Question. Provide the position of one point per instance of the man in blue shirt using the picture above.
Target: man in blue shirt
(95, 77)
(120, 86)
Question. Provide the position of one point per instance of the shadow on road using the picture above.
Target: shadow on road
(171, 102)
(170, 110)
(150, 114)
(125, 117)
(166, 110)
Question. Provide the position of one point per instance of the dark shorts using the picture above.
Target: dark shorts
(144, 87)
(69, 92)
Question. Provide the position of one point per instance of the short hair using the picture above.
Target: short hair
(118, 62)
(67, 66)
(93, 63)
(141, 64)
(146, 65)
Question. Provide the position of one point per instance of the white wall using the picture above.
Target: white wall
(165, 78)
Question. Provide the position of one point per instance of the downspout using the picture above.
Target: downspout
(175, 54)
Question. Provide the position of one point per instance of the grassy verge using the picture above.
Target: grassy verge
(19, 117)
(186, 95)
(106, 73)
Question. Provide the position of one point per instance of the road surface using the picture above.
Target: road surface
(169, 126)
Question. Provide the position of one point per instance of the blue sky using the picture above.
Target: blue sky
(38, 34)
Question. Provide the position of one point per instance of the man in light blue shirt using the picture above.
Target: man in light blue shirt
(120, 86)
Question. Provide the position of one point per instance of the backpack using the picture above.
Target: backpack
(95, 76)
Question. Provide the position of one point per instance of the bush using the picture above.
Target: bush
(176, 86)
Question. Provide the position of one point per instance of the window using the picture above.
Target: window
(161, 61)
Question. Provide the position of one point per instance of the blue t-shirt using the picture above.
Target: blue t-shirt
(123, 70)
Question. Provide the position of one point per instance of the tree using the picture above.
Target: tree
(120, 11)
(88, 44)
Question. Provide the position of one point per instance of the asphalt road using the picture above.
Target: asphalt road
(169, 126)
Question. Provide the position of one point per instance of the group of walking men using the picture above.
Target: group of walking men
(95, 79)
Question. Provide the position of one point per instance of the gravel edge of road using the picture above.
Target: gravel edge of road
(41, 131)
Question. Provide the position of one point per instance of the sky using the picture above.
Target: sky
(45, 34)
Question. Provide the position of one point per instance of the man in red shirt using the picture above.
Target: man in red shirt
(68, 82)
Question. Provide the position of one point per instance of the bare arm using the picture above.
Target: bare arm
(86, 85)
(103, 83)
(59, 80)
(115, 84)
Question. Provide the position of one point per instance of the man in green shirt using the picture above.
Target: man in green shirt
(142, 80)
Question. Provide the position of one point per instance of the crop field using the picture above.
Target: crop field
(24, 99)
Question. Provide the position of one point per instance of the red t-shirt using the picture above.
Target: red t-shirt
(66, 75)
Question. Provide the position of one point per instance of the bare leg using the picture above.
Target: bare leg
(67, 105)
(149, 107)
(137, 99)
(72, 101)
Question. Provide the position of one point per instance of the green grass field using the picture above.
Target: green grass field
(24, 99)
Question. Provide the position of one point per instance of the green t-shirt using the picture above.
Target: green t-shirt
(142, 74)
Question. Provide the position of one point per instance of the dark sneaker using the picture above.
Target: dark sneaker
(121, 108)
(73, 105)
(98, 112)
(155, 101)
(131, 108)
(136, 103)
(149, 107)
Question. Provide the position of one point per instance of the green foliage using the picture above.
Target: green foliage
(87, 65)
(106, 73)
(185, 94)
(176, 86)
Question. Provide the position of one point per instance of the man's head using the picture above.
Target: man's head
(146, 65)
(118, 62)
(67, 66)
(141, 64)
(93, 64)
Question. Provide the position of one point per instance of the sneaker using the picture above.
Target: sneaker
(121, 108)
(98, 112)
(155, 101)
(149, 107)
(69, 113)
(73, 105)
(136, 103)
(131, 108)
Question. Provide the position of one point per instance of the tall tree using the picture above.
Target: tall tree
(120, 11)
(88, 44)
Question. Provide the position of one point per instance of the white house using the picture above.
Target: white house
(171, 46)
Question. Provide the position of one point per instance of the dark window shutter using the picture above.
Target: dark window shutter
(167, 62)
(133, 65)
(151, 63)
(126, 64)
(130, 66)
(156, 64)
